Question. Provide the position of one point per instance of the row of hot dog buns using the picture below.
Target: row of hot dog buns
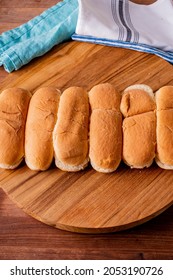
(101, 126)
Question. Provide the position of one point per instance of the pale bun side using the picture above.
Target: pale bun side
(143, 87)
(13, 111)
(138, 166)
(69, 167)
(41, 119)
(137, 99)
(162, 165)
(164, 131)
(70, 135)
(103, 170)
(13, 166)
(105, 150)
(139, 140)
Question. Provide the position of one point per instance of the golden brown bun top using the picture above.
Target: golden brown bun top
(47, 91)
(12, 96)
(104, 96)
(105, 128)
(13, 101)
(13, 110)
(71, 130)
(137, 99)
(139, 139)
(41, 106)
(42, 97)
(164, 98)
(73, 103)
(164, 103)
(41, 119)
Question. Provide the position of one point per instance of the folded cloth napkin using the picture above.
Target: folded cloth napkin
(122, 23)
(34, 38)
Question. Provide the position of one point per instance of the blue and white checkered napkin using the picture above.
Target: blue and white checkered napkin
(122, 23)
(37, 36)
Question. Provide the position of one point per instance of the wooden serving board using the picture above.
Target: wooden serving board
(89, 201)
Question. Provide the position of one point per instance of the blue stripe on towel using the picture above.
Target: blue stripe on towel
(116, 19)
(168, 56)
(122, 18)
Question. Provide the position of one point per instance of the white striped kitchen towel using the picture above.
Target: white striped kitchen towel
(122, 23)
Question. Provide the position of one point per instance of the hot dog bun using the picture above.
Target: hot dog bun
(41, 119)
(164, 132)
(139, 126)
(137, 99)
(105, 128)
(13, 111)
(70, 136)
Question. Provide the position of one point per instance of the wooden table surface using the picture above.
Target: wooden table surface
(22, 237)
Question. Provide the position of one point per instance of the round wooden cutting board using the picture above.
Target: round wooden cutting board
(89, 201)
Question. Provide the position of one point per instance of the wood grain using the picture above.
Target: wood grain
(89, 201)
(22, 237)
(34, 4)
(79, 64)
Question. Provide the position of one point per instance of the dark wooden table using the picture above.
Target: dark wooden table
(22, 237)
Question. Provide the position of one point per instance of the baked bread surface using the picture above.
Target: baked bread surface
(139, 126)
(41, 119)
(105, 128)
(70, 135)
(13, 111)
(164, 102)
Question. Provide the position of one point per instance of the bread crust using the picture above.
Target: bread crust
(139, 140)
(41, 119)
(163, 97)
(13, 111)
(136, 101)
(104, 96)
(139, 126)
(164, 134)
(105, 128)
(70, 136)
(34, 127)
